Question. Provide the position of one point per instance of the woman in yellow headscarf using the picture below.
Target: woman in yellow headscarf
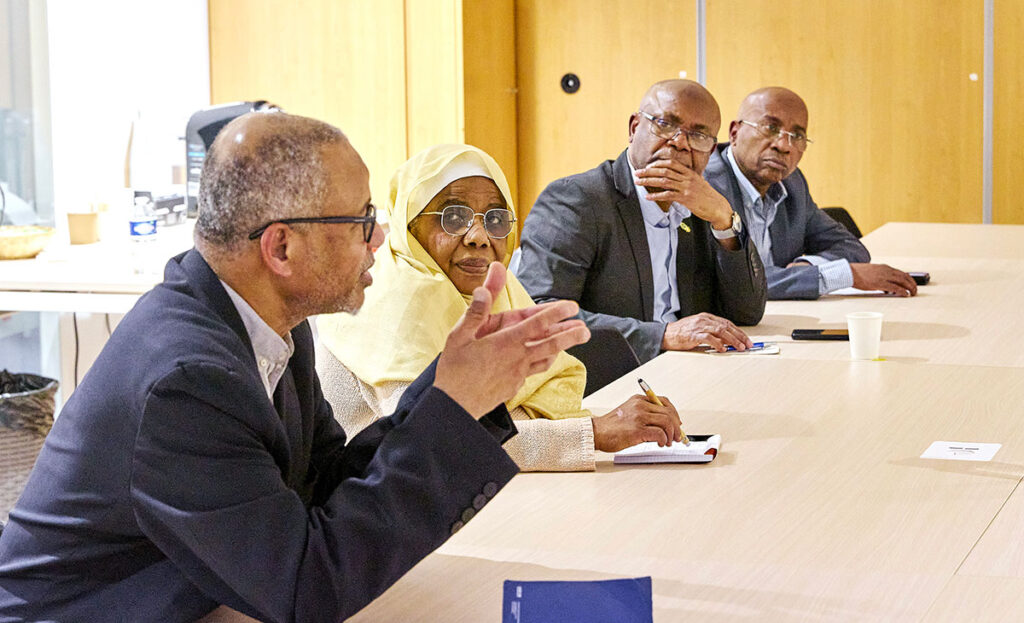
(436, 253)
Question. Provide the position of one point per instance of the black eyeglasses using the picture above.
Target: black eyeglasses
(663, 128)
(771, 131)
(369, 221)
(456, 220)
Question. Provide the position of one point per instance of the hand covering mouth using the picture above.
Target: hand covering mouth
(674, 157)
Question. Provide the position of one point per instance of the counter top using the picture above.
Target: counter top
(98, 277)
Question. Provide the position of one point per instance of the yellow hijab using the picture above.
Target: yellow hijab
(412, 305)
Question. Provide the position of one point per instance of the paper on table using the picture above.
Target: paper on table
(857, 292)
(961, 451)
(702, 449)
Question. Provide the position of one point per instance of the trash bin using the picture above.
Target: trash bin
(26, 415)
(27, 402)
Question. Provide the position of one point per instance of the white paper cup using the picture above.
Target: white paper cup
(865, 334)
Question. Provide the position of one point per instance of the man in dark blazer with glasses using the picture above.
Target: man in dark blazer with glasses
(198, 470)
(643, 243)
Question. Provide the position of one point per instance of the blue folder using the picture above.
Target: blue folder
(611, 601)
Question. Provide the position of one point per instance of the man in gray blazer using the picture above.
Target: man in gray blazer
(805, 252)
(643, 243)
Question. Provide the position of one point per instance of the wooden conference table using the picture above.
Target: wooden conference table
(818, 507)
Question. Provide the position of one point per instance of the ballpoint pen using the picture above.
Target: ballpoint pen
(756, 346)
(654, 398)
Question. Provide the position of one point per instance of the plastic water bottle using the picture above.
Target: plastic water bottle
(143, 237)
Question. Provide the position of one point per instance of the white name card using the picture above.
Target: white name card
(961, 451)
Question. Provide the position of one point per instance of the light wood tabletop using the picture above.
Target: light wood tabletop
(956, 240)
(970, 313)
(978, 600)
(818, 506)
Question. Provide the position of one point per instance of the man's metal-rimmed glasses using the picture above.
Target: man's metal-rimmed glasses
(663, 128)
(771, 131)
(368, 220)
(456, 220)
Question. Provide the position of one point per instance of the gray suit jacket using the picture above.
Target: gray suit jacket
(585, 240)
(799, 228)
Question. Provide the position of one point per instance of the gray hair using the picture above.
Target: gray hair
(280, 174)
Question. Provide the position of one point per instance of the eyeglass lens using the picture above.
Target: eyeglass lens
(772, 131)
(368, 225)
(668, 130)
(457, 220)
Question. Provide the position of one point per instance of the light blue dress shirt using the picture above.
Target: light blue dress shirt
(761, 211)
(663, 244)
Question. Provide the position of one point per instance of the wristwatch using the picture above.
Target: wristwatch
(733, 231)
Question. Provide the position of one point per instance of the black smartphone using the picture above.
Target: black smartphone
(921, 279)
(699, 437)
(840, 335)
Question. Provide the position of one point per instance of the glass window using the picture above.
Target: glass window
(25, 169)
(28, 340)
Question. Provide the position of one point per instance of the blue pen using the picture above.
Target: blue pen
(756, 346)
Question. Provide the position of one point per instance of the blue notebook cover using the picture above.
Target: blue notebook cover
(611, 601)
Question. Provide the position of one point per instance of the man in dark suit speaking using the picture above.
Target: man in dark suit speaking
(198, 464)
(805, 252)
(643, 243)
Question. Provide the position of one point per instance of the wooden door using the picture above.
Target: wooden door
(341, 62)
(617, 48)
(894, 111)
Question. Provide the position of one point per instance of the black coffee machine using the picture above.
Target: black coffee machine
(202, 128)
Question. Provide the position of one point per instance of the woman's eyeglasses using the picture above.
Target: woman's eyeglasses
(456, 220)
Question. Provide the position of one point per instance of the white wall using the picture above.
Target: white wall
(109, 60)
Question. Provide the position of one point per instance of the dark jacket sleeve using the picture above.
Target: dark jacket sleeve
(742, 291)
(207, 492)
(798, 282)
(560, 248)
(819, 234)
(337, 462)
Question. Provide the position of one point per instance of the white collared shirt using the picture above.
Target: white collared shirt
(271, 350)
(663, 243)
(761, 212)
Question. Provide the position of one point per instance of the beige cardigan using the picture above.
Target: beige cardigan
(541, 445)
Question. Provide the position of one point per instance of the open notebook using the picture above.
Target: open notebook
(702, 449)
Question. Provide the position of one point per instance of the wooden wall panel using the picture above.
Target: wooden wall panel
(489, 63)
(1008, 120)
(342, 62)
(618, 48)
(896, 119)
(433, 58)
